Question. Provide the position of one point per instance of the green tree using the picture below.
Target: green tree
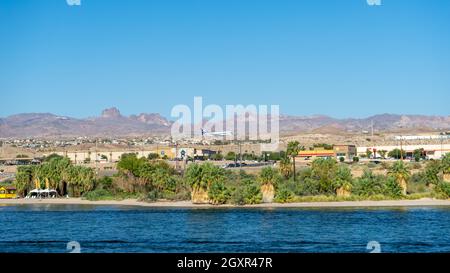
(269, 179)
(400, 172)
(130, 164)
(293, 148)
(218, 193)
(284, 195)
(24, 177)
(445, 167)
(392, 188)
(431, 172)
(343, 181)
(369, 184)
(152, 156)
(52, 156)
(230, 156)
(269, 176)
(396, 153)
(200, 177)
(216, 156)
(324, 171)
(419, 154)
(285, 167)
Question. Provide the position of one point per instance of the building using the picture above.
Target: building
(345, 151)
(316, 153)
(432, 151)
(79, 157)
(338, 151)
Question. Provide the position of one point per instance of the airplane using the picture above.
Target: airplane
(223, 133)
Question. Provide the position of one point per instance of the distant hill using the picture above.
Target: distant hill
(381, 123)
(112, 123)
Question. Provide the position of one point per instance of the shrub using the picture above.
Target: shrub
(324, 171)
(218, 193)
(284, 195)
(392, 188)
(397, 153)
(417, 183)
(443, 190)
(237, 197)
(247, 192)
(105, 182)
(369, 184)
(308, 187)
(101, 194)
(252, 194)
(153, 195)
(355, 159)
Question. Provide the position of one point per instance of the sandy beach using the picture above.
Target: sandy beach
(188, 204)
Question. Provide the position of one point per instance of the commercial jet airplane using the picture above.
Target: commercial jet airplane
(223, 133)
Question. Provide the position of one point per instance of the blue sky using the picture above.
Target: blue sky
(341, 58)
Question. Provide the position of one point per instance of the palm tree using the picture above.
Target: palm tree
(343, 181)
(445, 166)
(200, 178)
(324, 171)
(293, 149)
(268, 179)
(401, 174)
(286, 167)
(24, 179)
(431, 173)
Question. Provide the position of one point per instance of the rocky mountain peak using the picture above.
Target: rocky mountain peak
(112, 112)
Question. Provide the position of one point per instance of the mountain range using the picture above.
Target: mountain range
(112, 123)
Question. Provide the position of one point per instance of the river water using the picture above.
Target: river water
(49, 228)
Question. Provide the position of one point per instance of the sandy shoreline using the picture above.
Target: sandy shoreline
(187, 204)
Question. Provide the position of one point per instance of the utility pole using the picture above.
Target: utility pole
(372, 128)
(401, 147)
(96, 156)
(240, 156)
(176, 156)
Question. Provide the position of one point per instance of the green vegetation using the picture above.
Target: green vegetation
(149, 179)
(292, 150)
(323, 146)
(419, 154)
(153, 156)
(397, 154)
(55, 173)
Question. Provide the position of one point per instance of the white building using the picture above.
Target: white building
(433, 151)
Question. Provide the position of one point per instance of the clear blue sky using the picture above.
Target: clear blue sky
(341, 58)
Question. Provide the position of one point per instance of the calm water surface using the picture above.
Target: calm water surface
(48, 228)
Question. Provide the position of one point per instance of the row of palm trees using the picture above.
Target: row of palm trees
(58, 173)
(399, 170)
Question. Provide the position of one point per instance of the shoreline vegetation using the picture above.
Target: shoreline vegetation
(424, 202)
(326, 182)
